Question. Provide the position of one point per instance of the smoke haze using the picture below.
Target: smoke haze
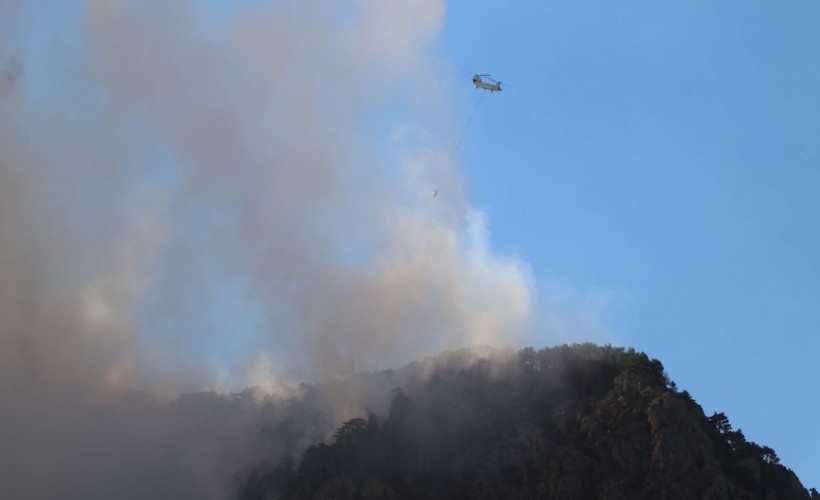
(196, 197)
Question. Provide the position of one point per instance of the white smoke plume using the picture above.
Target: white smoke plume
(197, 197)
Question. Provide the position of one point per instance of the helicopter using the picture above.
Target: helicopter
(481, 84)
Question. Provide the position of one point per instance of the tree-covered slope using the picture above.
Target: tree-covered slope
(569, 422)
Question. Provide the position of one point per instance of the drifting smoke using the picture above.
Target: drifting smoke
(193, 198)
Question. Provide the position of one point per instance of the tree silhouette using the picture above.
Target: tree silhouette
(577, 421)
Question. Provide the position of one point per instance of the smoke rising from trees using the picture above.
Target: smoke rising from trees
(194, 199)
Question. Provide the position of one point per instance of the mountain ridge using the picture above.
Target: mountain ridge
(572, 421)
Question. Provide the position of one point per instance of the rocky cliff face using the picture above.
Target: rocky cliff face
(570, 422)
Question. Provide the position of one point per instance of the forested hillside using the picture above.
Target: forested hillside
(568, 422)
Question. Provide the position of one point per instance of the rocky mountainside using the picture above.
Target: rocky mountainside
(570, 422)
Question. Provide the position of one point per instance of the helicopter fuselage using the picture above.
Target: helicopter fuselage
(481, 84)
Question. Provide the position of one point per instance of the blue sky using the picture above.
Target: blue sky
(666, 157)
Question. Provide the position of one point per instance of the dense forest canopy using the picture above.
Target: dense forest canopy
(577, 421)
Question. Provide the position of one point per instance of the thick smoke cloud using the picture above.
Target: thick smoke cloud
(195, 198)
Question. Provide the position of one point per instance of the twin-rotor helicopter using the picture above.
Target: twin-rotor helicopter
(495, 86)
(483, 82)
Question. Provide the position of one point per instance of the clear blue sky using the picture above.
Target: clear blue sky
(665, 155)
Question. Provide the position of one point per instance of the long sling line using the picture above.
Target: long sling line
(467, 126)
